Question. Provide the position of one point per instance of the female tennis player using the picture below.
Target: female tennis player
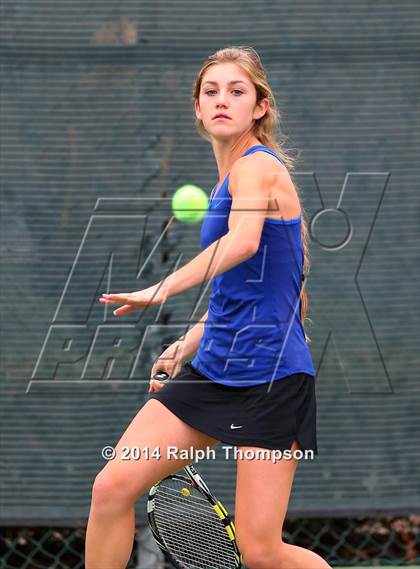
(251, 383)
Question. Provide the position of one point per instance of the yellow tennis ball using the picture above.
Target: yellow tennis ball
(189, 203)
(185, 492)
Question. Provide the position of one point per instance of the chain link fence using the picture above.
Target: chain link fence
(368, 541)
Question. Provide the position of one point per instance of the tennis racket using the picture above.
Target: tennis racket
(191, 526)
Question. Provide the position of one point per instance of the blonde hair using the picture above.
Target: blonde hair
(266, 129)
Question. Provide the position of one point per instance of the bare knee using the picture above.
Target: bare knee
(110, 493)
(263, 555)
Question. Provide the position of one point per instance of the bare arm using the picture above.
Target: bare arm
(188, 344)
(241, 242)
(220, 256)
(250, 189)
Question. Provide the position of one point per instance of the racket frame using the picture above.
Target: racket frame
(196, 481)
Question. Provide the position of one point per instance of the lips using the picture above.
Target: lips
(221, 116)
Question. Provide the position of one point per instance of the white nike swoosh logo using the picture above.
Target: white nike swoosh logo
(236, 426)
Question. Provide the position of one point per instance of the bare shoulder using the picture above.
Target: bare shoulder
(265, 167)
(257, 164)
(266, 170)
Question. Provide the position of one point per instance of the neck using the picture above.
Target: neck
(227, 152)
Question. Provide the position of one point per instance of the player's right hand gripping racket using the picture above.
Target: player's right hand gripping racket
(191, 527)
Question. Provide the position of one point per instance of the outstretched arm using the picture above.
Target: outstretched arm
(250, 189)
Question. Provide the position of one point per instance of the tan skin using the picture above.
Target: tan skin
(262, 488)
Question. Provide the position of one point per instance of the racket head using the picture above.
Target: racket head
(192, 529)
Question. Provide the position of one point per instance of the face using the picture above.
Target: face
(226, 89)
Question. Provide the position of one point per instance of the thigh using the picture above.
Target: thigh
(262, 495)
(154, 426)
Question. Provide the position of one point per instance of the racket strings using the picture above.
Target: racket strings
(190, 528)
(196, 502)
(203, 533)
(198, 552)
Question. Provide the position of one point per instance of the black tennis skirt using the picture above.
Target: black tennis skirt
(271, 415)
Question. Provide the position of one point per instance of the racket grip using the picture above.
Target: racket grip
(161, 376)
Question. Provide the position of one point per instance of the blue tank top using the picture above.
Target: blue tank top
(253, 333)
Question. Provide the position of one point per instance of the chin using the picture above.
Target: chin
(221, 132)
(218, 136)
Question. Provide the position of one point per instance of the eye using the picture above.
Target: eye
(213, 91)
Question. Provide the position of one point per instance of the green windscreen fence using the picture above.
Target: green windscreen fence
(97, 132)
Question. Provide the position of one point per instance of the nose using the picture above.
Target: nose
(221, 97)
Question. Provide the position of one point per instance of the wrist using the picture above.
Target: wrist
(164, 289)
(177, 351)
(183, 351)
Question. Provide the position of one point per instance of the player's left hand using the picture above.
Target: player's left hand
(156, 294)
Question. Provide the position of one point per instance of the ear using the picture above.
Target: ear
(261, 109)
(197, 109)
